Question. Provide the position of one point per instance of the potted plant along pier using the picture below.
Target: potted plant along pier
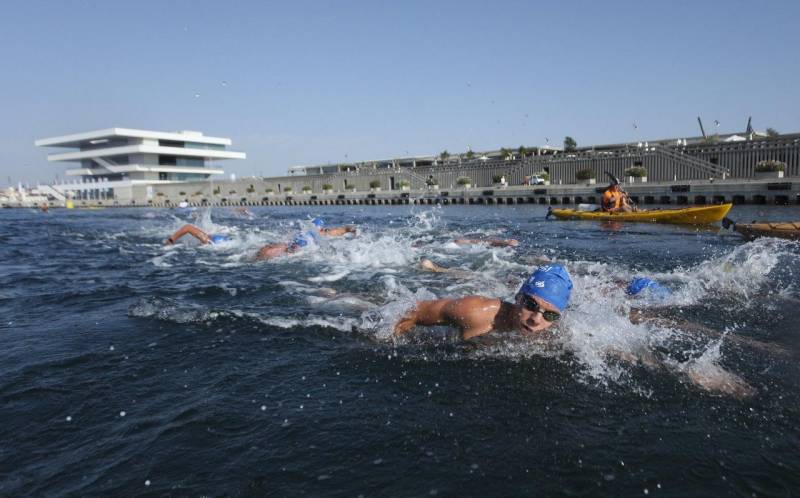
(587, 175)
(499, 180)
(375, 185)
(432, 183)
(288, 189)
(636, 174)
(770, 169)
(306, 189)
(464, 181)
(350, 187)
(269, 191)
(405, 185)
(327, 188)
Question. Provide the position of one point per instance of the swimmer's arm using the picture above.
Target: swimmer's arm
(191, 230)
(473, 315)
(337, 231)
(491, 242)
(423, 313)
(657, 316)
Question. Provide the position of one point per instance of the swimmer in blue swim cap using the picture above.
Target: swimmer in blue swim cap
(198, 234)
(646, 287)
(537, 306)
(303, 239)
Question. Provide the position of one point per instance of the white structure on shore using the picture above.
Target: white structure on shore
(121, 164)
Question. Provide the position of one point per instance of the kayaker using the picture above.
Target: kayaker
(615, 200)
(537, 305)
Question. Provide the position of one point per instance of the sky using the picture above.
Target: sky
(302, 83)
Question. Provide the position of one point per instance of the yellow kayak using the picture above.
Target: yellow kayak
(695, 215)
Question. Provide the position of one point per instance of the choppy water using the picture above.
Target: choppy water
(131, 368)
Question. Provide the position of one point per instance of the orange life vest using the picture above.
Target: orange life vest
(613, 200)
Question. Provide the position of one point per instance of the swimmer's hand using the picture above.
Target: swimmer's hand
(406, 323)
(169, 241)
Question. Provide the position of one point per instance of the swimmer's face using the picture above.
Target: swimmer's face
(530, 320)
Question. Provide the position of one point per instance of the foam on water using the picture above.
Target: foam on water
(596, 332)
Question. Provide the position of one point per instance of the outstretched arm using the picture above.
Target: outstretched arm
(423, 313)
(473, 315)
(337, 231)
(191, 230)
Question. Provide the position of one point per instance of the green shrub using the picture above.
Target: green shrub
(431, 182)
(350, 187)
(306, 188)
(375, 184)
(585, 174)
(637, 171)
(405, 183)
(769, 166)
(269, 190)
(287, 189)
(544, 174)
(327, 186)
(464, 180)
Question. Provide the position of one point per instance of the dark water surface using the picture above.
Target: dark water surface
(131, 369)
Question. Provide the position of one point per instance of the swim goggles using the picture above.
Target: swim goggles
(531, 305)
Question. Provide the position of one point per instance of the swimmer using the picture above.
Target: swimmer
(537, 305)
(489, 242)
(476, 315)
(198, 234)
(302, 239)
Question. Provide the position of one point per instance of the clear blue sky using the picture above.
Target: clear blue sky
(314, 82)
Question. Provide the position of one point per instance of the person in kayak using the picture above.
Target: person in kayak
(615, 200)
(537, 306)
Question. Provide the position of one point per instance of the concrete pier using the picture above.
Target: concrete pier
(778, 191)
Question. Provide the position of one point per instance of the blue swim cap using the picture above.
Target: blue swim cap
(551, 283)
(299, 240)
(318, 222)
(641, 284)
(219, 237)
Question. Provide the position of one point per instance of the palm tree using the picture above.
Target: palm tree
(522, 151)
(772, 132)
(470, 155)
(505, 153)
(444, 156)
(570, 144)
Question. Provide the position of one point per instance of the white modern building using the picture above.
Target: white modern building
(122, 165)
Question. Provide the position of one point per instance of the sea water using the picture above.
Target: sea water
(133, 368)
